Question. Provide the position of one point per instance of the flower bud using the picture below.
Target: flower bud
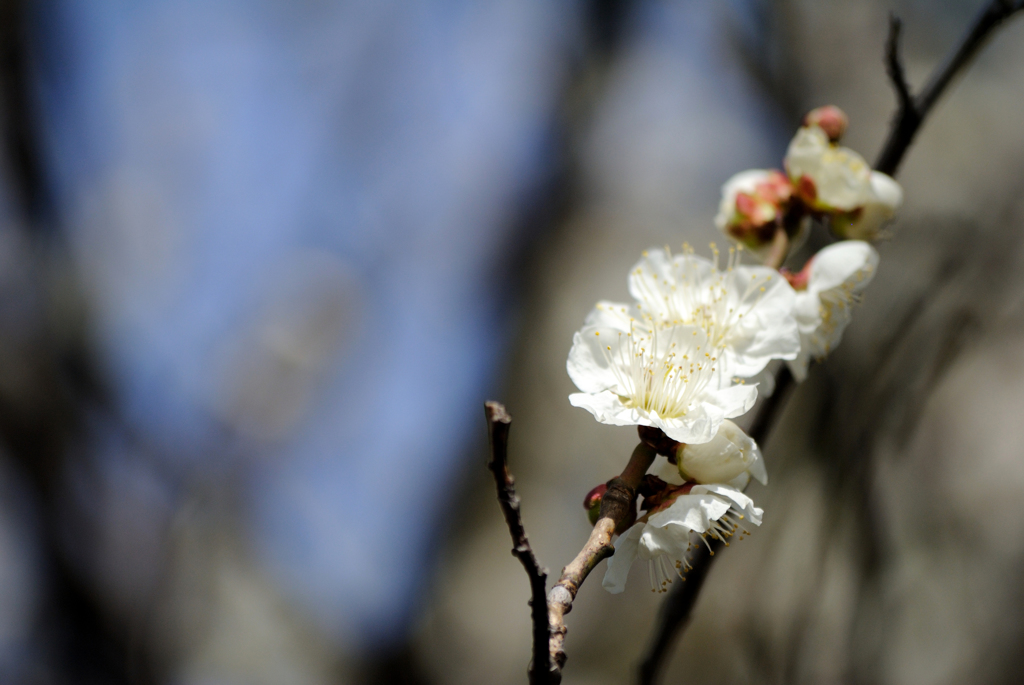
(729, 455)
(830, 119)
(866, 222)
(592, 503)
(752, 203)
(798, 279)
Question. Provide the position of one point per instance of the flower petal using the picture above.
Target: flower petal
(848, 262)
(671, 541)
(666, 470)
(588, 365)
(733, 401)
(737, 499)
(698, 426)
(608, 408)
(610, 315)
(693, 512)
(619, 564)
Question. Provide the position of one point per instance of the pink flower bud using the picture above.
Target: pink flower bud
(830, 119)
(798, 280)
(592, 502)
(752, 204)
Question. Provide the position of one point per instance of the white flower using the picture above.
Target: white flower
(730, 457)
(715, 511)
(746, 311)
(834, 279)
(826, 176)
(662, 376)
(866, 223)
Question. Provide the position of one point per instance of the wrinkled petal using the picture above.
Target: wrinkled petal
(608, 408)
(587, 366)
(738, 500)
(619, 564)
(767, 330)
(693, 512)
(671, 541)
(699, 425)
(733, 401)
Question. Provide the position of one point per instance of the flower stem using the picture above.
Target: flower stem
(778, 250)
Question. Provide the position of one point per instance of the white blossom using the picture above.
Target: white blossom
(716, 511)
(834, 279)
(746, 311)
(836, 180)
(839, 179)
(665, 376)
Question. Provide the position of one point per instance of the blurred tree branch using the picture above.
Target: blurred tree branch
(910, 115)
(911, 112)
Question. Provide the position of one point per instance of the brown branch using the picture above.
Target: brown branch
(618, 510)
(912, 111)
(498, 422)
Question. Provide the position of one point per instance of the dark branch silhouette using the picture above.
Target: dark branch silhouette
(911, 110)
(498, 423)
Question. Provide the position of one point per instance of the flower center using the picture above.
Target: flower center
(661, 370)
(715, 301)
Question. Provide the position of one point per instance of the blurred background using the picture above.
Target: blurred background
(261, 263)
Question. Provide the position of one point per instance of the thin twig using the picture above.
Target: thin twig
(912, 111)
(498, 423)
(894, 65)
(618, 510)
(910, 114)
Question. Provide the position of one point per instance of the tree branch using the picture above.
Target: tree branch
(618, 510)
(894, 66)
(498, 423)
(912, 111)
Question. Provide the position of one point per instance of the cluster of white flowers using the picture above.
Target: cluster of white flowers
(678, 357)
(821, 179)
